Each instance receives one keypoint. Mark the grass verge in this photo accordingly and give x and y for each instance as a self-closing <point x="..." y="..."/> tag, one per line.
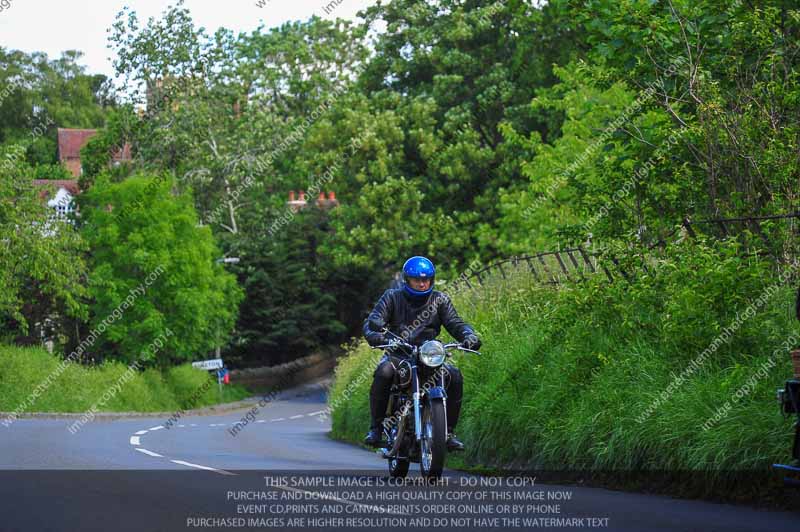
<point x="79" y="388"/>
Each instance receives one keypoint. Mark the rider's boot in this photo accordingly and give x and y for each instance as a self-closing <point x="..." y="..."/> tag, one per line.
<point x="453" y="443"/>
<point x="374" y="437"/>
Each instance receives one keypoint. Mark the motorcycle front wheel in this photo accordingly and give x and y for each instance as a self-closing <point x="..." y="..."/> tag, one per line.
<point x="433" y="445"/>
<point x="398" y="468"/>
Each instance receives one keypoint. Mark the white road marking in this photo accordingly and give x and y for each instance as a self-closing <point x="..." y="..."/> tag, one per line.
<point x="149" y="453"/>
<point x="189" y="464"/>
<point x="136" y="441"/>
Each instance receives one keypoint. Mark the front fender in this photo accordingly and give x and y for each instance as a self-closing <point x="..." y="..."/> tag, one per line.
<point x="437" y="392"/>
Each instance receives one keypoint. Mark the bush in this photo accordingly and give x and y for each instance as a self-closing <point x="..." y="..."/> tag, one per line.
<point x="154" y="273"/>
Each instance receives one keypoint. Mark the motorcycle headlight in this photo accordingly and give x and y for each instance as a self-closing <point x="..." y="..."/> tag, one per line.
<point x="432" y="353"/>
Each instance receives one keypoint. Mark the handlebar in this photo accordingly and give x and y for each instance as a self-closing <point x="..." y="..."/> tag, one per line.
<point x="397" y="341"/>
<point x="402" y="343"/>
<point x="461" y="348"/>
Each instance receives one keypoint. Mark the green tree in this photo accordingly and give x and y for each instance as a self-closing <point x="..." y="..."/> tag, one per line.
<point x="457" y="73"/>
<point x="42" y="270"/>
<point x="736" y="90"/>
<point x="139" y="231"/>
<point x="229" y="113"/>
<point x="291" y="304"/>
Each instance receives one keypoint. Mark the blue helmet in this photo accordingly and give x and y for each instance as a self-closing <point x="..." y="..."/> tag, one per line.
<point x="418" y="268"/>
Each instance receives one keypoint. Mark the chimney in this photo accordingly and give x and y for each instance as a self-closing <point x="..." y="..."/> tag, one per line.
<point x="332" y="201"/>
<point x="321" y="199"/>
<point x="296" y="203"/>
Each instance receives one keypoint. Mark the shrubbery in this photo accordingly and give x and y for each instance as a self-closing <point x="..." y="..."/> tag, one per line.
<point x="568" y="374"/>
<point x="79" y="388"/>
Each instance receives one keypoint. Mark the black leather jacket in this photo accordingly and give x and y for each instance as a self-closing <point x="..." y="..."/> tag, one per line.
<point x="416" y="321"/>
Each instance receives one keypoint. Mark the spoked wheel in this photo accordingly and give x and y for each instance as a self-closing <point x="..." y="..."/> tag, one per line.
<point x="434" y="440"/>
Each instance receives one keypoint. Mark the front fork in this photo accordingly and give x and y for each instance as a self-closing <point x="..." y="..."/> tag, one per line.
<point x="433" y="392"/>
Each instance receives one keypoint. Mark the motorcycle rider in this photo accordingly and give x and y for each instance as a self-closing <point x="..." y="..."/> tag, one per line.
<point x="415" y="312"/>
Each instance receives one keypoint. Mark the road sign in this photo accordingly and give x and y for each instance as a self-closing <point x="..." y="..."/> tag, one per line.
<point x="208" y="364"/>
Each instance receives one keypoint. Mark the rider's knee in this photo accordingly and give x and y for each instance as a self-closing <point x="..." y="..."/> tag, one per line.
<point x="453" y="376"/>
<point x="455" y="373"/>
<point x="384" y="372"/>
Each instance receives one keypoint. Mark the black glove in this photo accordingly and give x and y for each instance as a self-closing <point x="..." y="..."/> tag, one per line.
<point x="378" y="339"/>
<point x="472" y="342"/>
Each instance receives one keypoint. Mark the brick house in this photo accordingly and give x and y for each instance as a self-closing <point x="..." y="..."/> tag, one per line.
<point x="70" y="142"/>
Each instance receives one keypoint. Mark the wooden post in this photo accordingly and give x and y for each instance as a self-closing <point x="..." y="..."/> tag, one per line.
<point x="586" y="259"/>
<point x="563" y="266"/>
<point x="575" y="263"/>
<point x="532" y="269"/>
<point x="553" y="279"/>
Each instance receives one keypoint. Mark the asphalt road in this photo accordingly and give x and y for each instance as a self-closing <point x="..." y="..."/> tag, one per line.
<point x="282" y="472"/>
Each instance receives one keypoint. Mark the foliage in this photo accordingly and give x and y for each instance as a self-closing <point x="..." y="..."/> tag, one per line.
<point x="140" y="231"/>
<point x="50" y="171"/>
<point x="461" y="130"/>
<point x="34" y="87"/>
<point x="290" y="306"/>
<point x="41" y="263"/>
<point x="715" y="137"/>
<point x="96" y="155"/>
<point x="424" y="151"/>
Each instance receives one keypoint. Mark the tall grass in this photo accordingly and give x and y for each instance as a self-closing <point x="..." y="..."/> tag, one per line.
<point x="567" y="372"/>
<point x="79" y="388"/>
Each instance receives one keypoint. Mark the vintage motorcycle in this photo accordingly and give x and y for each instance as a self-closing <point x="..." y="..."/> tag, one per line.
<point x="415" y="427"/>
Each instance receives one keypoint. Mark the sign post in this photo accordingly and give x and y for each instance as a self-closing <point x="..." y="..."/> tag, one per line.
<point x="209" y="365"/>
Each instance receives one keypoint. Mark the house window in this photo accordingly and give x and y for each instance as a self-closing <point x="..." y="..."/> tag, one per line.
<point x="63" y="210"/>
